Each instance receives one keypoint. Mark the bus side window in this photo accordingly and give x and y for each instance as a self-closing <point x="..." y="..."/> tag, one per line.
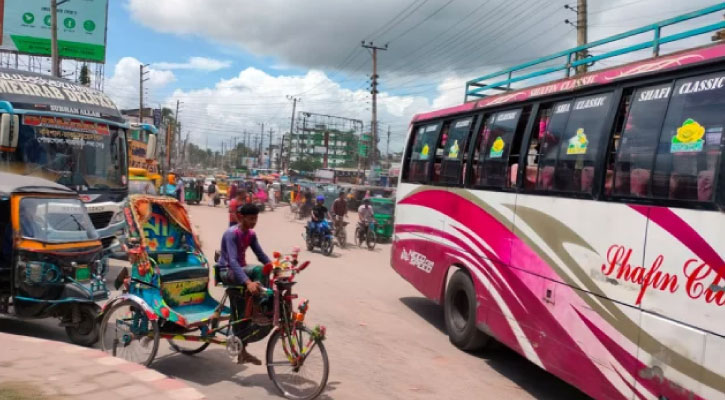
<point x="688" y="156"/>
<point x="616" y="139"/>
<point x="438" y="158"/>
<point x="495" y="141"/>
<point x="579" y="144"/>
<point x="420" y="152"/>
<point x="544" y="146"/>
<point x="636" y="138"/>
<point x="454" y="150"/>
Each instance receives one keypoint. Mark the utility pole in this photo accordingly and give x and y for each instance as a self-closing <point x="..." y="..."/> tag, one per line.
<point x="269" y="152"/>
<point x="291" y="128"/>
<point x="141" y="79"/>
<point x="374" y="91"/>
<point x="261" y="141"/>
<point x="387" y="147"/>
<point x="176" y="127"/>
<point x="581" y="32"/>
<point x="54" y="54"/>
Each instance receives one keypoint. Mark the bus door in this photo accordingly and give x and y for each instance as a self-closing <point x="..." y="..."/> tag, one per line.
<point x="418" y="221"/>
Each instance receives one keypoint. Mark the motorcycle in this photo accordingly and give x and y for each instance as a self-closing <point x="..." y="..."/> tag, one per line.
<point x="322" y="239"/>
<point x="340" y="231"/>
<point x="365" y="234"/>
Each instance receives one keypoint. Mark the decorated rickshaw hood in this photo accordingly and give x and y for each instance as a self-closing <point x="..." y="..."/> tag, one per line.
<point x="139" y="211"/>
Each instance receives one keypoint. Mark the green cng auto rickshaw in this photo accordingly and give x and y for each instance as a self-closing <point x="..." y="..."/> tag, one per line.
<point x="51" y="261"/>
<point x="384" y="214"/>
<point x="193" y="190"/>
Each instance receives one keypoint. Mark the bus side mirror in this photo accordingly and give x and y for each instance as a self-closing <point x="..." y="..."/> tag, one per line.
<point x="151" y="148"/>
<point x="9" y="132"/>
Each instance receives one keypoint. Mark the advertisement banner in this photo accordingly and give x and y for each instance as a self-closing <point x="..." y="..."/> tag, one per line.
<point x="81" y="28"/>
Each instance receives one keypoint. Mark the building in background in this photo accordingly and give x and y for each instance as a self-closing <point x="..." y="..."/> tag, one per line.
<point x="323" y="141"/>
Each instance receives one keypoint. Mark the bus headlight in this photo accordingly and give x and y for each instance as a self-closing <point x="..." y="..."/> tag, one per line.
<point x="117" y="217"/>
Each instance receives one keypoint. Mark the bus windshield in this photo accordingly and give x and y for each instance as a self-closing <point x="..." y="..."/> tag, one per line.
<point x="79" y="154"/>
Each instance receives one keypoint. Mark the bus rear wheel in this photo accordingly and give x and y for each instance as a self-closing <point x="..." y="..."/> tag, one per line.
<point x="459" y="310"/>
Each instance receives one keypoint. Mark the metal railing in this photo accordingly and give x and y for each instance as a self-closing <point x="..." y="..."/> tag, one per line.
<point x="476" y="87"/>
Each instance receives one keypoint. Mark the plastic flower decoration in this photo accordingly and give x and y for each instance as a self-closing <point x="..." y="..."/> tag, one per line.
<point x="498" y="144"/>
<point x="689" y="132"/>
<point x="581" y="136"/>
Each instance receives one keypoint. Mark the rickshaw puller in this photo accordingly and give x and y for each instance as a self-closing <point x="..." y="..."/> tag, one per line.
<point x="235" y="242"/>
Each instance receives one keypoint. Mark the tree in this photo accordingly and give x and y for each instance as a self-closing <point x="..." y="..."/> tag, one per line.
<point x="308" y="164"/>
<point x="85" y="77"/>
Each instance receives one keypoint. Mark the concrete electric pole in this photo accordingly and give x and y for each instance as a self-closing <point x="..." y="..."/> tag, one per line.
<point x="291" y="129"/>
<point x="54" y="55"/>
<point x="141" y="79"/>
<point x="269" y="152"/>
<point x="581" y="31"/>
<point x="374" y="91"/>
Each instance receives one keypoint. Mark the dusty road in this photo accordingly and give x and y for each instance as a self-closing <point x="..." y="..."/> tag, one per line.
<point x="385" y="341"/>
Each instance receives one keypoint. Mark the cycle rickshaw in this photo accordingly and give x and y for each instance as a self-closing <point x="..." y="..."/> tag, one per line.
<point x="166" y="296"/>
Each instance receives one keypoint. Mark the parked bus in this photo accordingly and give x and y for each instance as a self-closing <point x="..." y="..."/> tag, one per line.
<point x="142" y="145"/>
<point x="580" y="223"/>
<point x="69" y="134"/>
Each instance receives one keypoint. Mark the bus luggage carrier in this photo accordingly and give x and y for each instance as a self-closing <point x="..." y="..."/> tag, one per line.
<point x="475" y="88"/>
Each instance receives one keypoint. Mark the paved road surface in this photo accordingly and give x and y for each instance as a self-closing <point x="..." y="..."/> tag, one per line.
<point x="385" y="341"/>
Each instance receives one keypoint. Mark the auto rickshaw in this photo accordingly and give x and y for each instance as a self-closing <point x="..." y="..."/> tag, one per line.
<point x="384" y="214"/>
<point x="193" y="190"/>
<point x="222" y="187"/>
<point x="51" y="259"/>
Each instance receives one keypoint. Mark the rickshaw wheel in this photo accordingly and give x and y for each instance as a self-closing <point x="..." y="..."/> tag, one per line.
<point x="86" y="333"/>
<point x="303" y="381"/>
<point x="127" y="333"/>
<point x="190" y="350"/>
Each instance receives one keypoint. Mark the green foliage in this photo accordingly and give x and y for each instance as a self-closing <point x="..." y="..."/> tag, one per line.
<point x="85" y="77"/>
<point x="307" y="163"/>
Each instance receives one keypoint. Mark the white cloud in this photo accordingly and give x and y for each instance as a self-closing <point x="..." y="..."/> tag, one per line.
<point x="196" y="63"/>
<point x="123" y="85"/>
<point x="242" y="103"/>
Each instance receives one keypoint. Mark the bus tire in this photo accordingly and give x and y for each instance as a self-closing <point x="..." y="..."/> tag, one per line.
<point x="459" y="309"/>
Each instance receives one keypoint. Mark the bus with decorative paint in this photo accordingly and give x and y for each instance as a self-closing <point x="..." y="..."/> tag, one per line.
<point x="142" y="146"/>
<point x="580" y="223"/>
<point x="70" y="134"/>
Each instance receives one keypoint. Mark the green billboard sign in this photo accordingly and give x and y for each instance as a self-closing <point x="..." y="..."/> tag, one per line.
<point x="81" y="28"/>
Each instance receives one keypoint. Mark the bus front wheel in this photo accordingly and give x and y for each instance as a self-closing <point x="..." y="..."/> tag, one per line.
<point x="460" y="313"/>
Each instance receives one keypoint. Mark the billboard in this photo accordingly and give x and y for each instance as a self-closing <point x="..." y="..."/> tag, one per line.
<point x="81" y="28"/>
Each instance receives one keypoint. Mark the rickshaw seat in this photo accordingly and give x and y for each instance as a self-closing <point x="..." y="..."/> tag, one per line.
<point x="183" y="266"/>
<point x="182" y="271"/>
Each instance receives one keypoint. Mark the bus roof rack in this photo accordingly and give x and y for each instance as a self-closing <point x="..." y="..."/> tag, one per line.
<point x="476" y="88"/>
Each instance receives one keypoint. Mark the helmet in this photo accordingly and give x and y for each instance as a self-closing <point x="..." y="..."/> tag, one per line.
<point x="320" y="198"/>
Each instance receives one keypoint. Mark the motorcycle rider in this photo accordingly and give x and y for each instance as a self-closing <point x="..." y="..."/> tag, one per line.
<point x="339" y="209"/>
<point x="319" y="213"/>
<point x="235" y="242"/>
<point x="365" y="215"/>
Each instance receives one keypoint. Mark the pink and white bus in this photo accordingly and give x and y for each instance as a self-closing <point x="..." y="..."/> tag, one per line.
<point x="580" y="222"/>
